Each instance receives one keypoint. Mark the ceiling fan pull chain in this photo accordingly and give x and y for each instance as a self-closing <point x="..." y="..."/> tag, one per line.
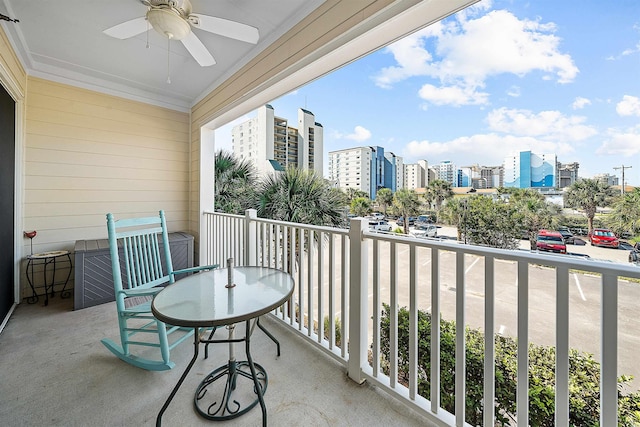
<point x="168" y="56"/>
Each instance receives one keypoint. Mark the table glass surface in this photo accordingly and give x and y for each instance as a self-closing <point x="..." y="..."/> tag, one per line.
<point x="203" y="299"/>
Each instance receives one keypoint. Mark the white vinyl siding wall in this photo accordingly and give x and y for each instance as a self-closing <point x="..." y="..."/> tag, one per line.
<point x="87" y="154"/>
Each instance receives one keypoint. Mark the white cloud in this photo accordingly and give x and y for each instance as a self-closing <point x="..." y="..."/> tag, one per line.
<point x="551" y="125"/>
<point x="621" y="143"/>
<point x="629" y="106"/>
<point x="489" y="149"/>
<point x="514" y="91"/>
<point x="452" y="95"/>
<point x="580" y="103"/>
<point x="359" y="134"/>
<point x="466" y="51"/>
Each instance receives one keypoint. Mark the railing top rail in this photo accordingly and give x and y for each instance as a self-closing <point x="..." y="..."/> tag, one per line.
<point x="552" y="260"/>
<point x="333" y="230"/>
<point x="223" y="214"/>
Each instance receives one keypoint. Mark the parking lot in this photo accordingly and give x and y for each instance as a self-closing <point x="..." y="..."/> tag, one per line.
<point x="584" y="308"/>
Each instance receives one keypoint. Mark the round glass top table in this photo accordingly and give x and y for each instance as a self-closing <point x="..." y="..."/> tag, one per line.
<point x="206" y="300"/>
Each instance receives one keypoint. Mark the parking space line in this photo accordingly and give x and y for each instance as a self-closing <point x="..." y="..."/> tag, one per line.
<point x="471" y="266"/>
<point x="575" y="277"/>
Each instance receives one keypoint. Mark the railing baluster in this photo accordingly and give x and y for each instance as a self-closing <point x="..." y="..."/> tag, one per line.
<point x="489" y="343"/>
<point x="460" y="341"/>
<point x="331" y="290"/>
<point x="413" y="324"/>
<point x="435" y="330"/>
<point x="310" y="257"/>
<point x="522" y="395"/>
<point x="301" y="281"/>
<point x="344" y="297"/>
<point x="320" y="286"/>
<point x="562" y="347"/>
<point x="609" y="351"/>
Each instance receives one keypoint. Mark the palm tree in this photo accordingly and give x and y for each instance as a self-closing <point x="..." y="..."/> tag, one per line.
<point x="302" y="196"/>
<point x="439" y="190"/>
<point x="360" y="206"/>
<point x="352" y="193"/>
<point x="384" y="197"/>
<point x="453" y="213"/>
<point x="234" y="184"/>
<point x="406" y="204"/>
<point x="534" y="213"/>
<point x="625" y="217"/>
<point x="588" y="194"/>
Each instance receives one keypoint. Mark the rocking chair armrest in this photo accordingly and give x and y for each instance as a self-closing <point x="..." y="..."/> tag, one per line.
<point x="141" y="292"/>
<point x="195" y="269"/>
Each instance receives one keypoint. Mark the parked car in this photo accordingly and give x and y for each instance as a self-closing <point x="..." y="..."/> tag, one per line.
<point x="377" y="215"/>
<point x="426" y="231"/>
<point x="423" y="222"/>
<point x="376" y="225"/>
<point x="604" y="237"/>
<point x="410" y="221"/>
<point x="550" y="241"/>
<point x="567" y="235"/>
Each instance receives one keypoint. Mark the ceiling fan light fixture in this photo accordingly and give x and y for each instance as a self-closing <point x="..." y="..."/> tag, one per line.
<point x="168" y="23"/>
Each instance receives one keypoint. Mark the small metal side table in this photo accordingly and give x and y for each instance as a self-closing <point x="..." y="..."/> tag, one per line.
<point x="46" y="260"/>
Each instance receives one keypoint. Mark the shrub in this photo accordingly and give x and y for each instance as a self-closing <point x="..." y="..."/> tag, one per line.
<point x="584" y="375"/>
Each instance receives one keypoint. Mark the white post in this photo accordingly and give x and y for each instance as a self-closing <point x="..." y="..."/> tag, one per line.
<point x="206" y="193"/>
<point x="251" y="237"/>
<point x="358" y="263"/>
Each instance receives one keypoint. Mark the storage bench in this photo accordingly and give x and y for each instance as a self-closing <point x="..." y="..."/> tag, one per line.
<point x="93" y="275"/>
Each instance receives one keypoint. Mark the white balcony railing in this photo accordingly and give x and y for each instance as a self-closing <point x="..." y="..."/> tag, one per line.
<point x="344" y="276"/>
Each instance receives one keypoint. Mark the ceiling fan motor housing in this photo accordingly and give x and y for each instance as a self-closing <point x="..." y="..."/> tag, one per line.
<point x="169" y="17"/>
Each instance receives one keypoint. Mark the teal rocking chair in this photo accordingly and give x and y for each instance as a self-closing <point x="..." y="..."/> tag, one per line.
<point x="139" y="248"/>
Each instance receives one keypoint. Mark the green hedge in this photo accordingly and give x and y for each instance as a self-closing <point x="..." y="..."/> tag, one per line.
<point x="584" y="376"/>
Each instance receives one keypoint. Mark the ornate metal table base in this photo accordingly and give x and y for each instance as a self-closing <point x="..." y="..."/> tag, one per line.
<point x="239" y="394"/>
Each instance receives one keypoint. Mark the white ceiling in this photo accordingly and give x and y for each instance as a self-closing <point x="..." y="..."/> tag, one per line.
<point x="62" y="40"/>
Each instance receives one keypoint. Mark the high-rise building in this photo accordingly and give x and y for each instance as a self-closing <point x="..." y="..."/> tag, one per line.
<point x="416" y="175"/>
<point x="366" y="169"/>
<point x="530" y="170"/>
<point x="271" y="144"/>
<point x="447" y="171"/>
<point x="351" y="168"/>
<point x="393" y="171"/>
<point x="567" y="174"/>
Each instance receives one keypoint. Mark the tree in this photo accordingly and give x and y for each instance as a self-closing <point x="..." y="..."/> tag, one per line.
<point x="384" y="197"/>
<point x="439" y="191"/>
<point x="533" y="212"/>
<point x="302" y="196"/>
<point x="453" y="214"/>
<point x="491" y="222"/>
<point x="352" y="193"/>
<point x="360" y="206"/>
<point x="235" y="184"/>
<point x="588" y="194"/>
<point x="406" y="204"/>
<point x="625" y="217"/>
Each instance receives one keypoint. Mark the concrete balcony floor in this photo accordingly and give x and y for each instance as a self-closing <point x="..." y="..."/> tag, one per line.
<point x="55" y="372"/>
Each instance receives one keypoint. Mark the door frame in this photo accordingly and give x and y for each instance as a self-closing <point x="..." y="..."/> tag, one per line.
<point x="13" y="89"/>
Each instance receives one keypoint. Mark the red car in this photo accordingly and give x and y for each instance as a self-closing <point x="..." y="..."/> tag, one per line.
<point x="604" y="237"/>
<point x="550" y="241"/>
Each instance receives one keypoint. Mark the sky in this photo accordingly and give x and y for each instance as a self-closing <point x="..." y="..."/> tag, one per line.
<point x="500" y="77"/>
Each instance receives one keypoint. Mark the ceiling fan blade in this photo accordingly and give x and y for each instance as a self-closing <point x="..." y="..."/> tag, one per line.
<point x="198" y="50"/>
<point x="225" y="27"/>
<point x="128" y="29"/>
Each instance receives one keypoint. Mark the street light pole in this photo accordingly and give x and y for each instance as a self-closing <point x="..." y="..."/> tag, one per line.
<point x="623" y="167"/>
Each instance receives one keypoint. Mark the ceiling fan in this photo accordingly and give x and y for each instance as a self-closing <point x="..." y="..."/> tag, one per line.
<point x="173" y="19"/>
